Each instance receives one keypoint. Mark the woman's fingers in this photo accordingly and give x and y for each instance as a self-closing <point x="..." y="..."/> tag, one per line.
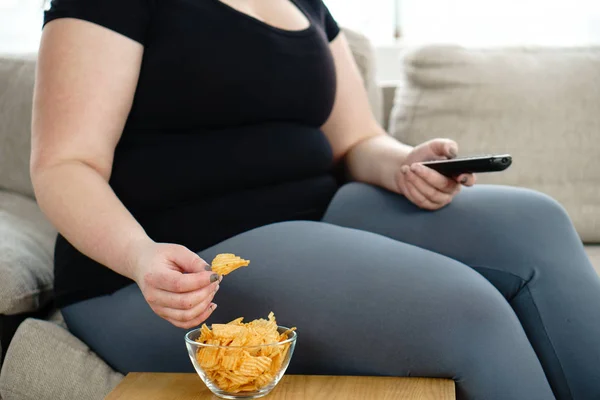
<point x="180" y="301"/>
<point x="467" y="179"/>
<point x="185" y="316"/>
<point x="197" y="321"/>
<point x="184" y="310"/>
<point x="436" y="149"/>
<point x="429" y="192"/>
<point x="443" y="148"/>
<point x="186" y="260"/>
<point x="415" y="196"/>
<point x="434" y="178"/>
<point x="176" y="282"/>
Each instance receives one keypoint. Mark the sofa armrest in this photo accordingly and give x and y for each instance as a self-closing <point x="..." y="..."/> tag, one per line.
<point x="26" y="254"/>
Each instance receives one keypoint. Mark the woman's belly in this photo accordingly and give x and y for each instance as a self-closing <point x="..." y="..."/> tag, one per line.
<point x="203" y="224"/>
<point x="198" y="188"/>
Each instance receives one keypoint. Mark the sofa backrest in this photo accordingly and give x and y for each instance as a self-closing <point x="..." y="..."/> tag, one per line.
<point x="16" y="89"/>
<point x="540" y="105"/>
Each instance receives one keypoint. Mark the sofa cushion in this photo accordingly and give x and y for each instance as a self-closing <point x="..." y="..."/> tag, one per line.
<point x="594" y="255"/>
<point x="16" y="91"/>
<point x="540" y="105"/>
<point x="26" y="252"/>
<point x="45" y="361"/>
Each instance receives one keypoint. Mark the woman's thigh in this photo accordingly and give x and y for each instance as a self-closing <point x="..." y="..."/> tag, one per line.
<point x="514" y="230"/>
<point x="363" y="304"/>
<point x="524" y="243"/>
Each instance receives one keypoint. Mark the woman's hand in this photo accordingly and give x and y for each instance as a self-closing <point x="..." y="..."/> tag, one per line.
<point x="425" y="187"/>
<point x="177" y="284"/>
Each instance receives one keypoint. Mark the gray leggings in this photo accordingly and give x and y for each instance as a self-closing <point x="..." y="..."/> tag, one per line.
<point x="494" y="291"/>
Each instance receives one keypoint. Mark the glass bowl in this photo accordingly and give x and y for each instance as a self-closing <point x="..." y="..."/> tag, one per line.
<point x="241" y="372"/>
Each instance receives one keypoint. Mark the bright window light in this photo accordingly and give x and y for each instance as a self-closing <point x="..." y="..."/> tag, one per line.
<point x="20" y="25"/>
<point x="464" y="22"/>
<point x="473" y="22"/>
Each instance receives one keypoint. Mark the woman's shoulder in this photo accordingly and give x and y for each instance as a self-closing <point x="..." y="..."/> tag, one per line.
<point x="315" y="7"/>
<point x="127" y="17"/>
<point x="321" y="13"/>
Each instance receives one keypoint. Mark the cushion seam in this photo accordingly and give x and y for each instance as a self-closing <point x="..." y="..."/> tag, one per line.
<point x="33" y="292"/>
<point x="15" y="301"/>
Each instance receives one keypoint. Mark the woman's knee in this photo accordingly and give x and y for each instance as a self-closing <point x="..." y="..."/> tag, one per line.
<point x="483" y="327"/>
<point x="479" y="311"/>
<point x="521" y="208"/>
<point x="542" y="207"/>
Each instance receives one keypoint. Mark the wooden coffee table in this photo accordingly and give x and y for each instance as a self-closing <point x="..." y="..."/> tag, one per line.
<point x="145" y="386"/>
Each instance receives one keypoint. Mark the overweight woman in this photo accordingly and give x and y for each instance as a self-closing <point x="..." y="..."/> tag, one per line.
<point x="167" y="131"/>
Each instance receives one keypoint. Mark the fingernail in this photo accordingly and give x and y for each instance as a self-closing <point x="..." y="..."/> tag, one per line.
<point x="208" y="267"/>
<point x="214" y="278"/>
<point x="213" y="306"/>
<point x="217" y="288"/>
<point x="221" y="278"/>
<point x="464" y="180"/>
<point x="453" y="152"/>
<point x="404" y="169"/>
<point x="414" y="167"/>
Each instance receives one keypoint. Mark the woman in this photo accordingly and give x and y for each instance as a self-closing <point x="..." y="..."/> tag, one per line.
<point x="166" y="128"/>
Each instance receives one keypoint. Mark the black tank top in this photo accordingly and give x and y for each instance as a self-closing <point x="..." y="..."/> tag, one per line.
<point x="224" y="132"/>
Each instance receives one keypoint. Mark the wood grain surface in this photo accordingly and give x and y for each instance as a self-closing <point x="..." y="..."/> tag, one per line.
<point x="146" y="386"/>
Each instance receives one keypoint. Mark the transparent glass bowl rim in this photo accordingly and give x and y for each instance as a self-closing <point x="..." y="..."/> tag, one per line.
<point x="293" y="337"/>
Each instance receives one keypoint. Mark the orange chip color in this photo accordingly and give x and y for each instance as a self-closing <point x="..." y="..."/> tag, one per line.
<point x="238" y="369"/>
<point x="224" y="264"/>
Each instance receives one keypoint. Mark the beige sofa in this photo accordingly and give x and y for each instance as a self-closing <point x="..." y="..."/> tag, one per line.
<point x="539" y="105"/>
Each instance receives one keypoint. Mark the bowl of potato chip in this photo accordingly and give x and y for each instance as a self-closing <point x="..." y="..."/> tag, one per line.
<point x="241" y="360"/>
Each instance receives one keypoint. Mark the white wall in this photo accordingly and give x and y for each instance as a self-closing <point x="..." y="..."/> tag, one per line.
<point x="464" y="22"/>
<point x="375" y="18"/>
<point x="502" y="22"/>
<point x="478" y="23"/>
<point x="20" y="25"/>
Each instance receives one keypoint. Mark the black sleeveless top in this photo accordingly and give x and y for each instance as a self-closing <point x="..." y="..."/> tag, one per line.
<point x="223" y="135"/>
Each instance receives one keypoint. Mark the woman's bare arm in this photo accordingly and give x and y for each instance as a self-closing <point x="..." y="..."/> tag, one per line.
<point x="372" y="156"/>
<point x="85" y="85"/>
<point x="353" y="131"/>
<point x="86" y="79"/>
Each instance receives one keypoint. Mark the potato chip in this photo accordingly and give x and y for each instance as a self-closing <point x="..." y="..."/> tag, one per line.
<point x="207" y="357"/>
<point x="264" y="379"/>
<point x="250" y="387"/>
<point x="205" y="333"/>
<point x="284" y="335"/>
<point x="231" y="362"/>
<point x="234" y="367"/>
<point x="253" y="366"/>
<point x="226" y="331"/>
<point x="224" y="264"/>
<point x="237" y="379"/>
<point x="276" y="361"/>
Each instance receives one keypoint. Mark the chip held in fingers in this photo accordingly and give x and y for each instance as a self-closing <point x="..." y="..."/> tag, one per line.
<point x="226" y="263"/>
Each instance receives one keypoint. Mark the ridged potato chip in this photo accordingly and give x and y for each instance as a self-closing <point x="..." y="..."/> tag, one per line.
<point x="243" y="369"/>
<point x="226" y="263"/>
